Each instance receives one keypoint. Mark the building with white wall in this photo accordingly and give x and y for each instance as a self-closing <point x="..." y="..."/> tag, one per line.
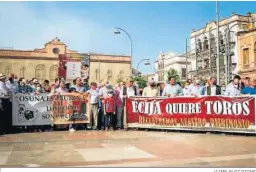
<point x="149" y="76"/>
<point x="167" y="61"/>
<point x="203" y="47"/>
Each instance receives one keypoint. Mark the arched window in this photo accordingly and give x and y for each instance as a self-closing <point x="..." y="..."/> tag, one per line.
<point x="40" y="72"/>
<point x="109" y="74"/>
<point x="245" y="57"/>
<point x="254" y="52"/>
<point x="206" y="45"/>
<point x="213" y="42"/>
<point x="53" y="72"/>
<point x="22" y="71"/>
<point x="199" y="45"/>
<point x="121" y="74"/>
<point x="7" y="70"/>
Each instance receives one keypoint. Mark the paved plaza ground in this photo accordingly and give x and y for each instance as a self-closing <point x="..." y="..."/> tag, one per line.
<point x="126" y="149"/>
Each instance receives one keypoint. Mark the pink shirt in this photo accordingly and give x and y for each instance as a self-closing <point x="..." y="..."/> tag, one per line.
<point x="119" y="102"/>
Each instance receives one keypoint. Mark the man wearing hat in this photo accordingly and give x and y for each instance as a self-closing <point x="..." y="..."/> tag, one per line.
<point x="3" y="104"/>
<point x="3" y="89"/>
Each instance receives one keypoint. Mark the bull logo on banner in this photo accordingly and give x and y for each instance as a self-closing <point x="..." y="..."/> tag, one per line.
<point x="25" y="114"/>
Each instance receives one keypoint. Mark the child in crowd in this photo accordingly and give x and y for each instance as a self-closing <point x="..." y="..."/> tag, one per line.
<point x="109" y="110"/>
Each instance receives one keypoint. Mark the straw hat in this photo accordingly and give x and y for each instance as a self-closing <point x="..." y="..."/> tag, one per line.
<point x="2" y="76"/>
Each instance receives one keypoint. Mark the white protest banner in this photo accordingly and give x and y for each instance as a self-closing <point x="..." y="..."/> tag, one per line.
<point x="31" y="110"/>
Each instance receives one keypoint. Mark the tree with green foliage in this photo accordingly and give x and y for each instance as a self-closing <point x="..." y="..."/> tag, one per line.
<point x="141" y="81"/>
<point x="173" y="73"/>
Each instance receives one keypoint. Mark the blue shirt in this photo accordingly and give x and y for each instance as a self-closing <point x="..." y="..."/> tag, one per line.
<point x="25" y="89"/>
<point x="172" y="90"/>
<point x="80" y="89"/>
<point x="197" y="90"/>
<point x="248" y="90"/>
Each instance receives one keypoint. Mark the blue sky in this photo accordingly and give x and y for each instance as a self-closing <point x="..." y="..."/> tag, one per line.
<point x="88" y="26"/>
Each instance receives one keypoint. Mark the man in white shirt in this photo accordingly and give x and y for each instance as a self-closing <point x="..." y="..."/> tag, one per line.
<point x="94" y="102"/>
<point x="128" y="90"/>
<point x="212" y="89"/>
<point x="11" y="84"/>
<point x="150" y="90"/>
<point x="103" y="92"/>
<point x="4" y="91"/>
<point x="233" y="89"/>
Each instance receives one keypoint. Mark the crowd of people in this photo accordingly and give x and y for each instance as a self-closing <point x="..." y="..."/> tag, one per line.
<point x="236" y="87"/>
<point x="107" y="101"/>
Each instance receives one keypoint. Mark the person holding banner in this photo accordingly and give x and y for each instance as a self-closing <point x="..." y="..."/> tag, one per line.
<point x="212" y="89"/>
<point x="249" y="89"/>
<point x="186" y="89"/>
<point x="129" y="90"/>
<point x="78" y="88"/>
<point x="234" y="89"/>
<point x="24" y="88"/>
<point x="197" y="89"/>
<point x="62" y="88"/>
<point x="150" y="90"/>
<point x="172" y="89"/>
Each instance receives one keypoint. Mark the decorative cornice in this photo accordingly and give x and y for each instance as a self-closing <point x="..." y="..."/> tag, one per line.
<point x="57" y="59"/>
<point x="29" y="58"/>
<point x="242" y="33"/>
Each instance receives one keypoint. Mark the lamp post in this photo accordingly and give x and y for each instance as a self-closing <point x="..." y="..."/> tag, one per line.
<point x="118" y="32"/>
<point x="147" y="63"/>
<point x="186" y="59"/>
<point x="218" y="45"/>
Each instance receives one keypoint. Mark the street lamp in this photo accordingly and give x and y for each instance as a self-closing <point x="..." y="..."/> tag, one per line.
<point x="218" y="45"/>
<point x="146" y="63"/>
<point x="117" y="32"/>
